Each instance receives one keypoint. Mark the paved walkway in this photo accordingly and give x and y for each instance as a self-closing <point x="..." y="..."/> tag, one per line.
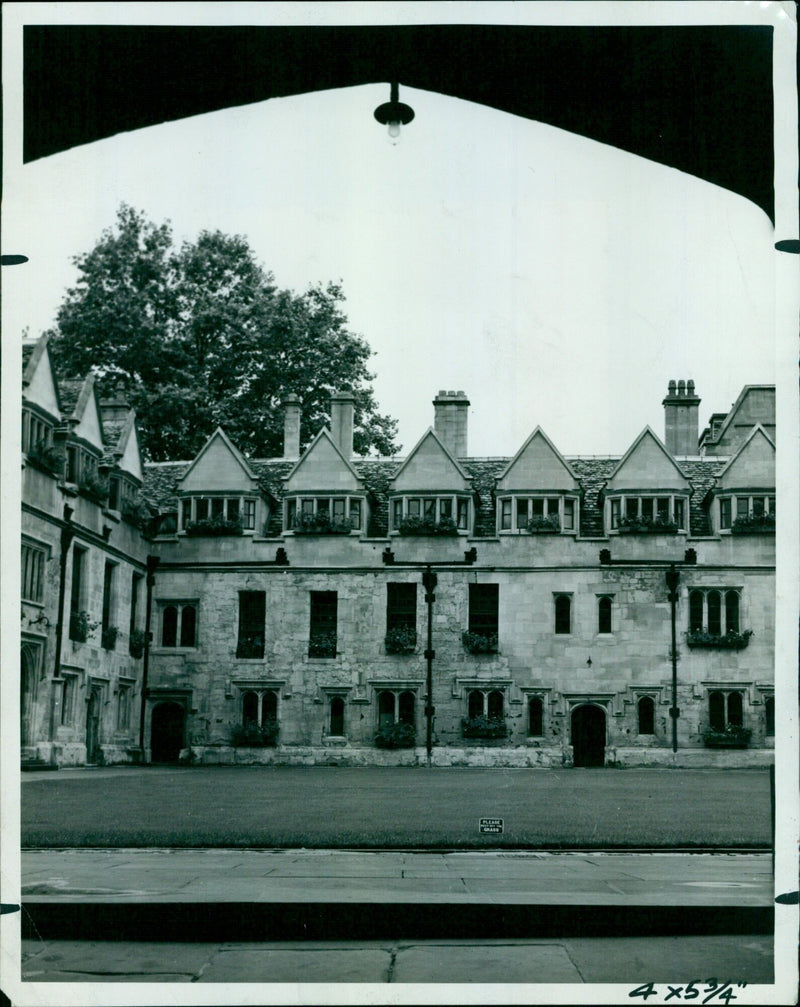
<point x="341" y="876"/>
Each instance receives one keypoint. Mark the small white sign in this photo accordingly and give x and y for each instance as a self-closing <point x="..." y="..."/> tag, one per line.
<point x="492" y="825"/>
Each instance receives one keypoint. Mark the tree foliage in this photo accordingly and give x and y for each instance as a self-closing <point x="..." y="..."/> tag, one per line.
<point x="201" y="336"/>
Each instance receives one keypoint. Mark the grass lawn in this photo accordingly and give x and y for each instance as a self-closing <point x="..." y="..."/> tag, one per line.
<point x="416" y="808"/>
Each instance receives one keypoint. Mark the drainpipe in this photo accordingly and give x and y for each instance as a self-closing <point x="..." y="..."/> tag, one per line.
<point x="429" y="581"/>
<point x="67" y="535"/>
<point x="152" y="563"/>
<point x="673" y="579"/>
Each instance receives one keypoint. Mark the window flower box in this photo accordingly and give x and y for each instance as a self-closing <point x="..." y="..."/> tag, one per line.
<point x="93" y="488"/>
<point x="400" y="640"/>
<point x="81" y="627"/>
<point x="136" y="643"/>
<point x="320" y="523"/>
<point x="646" y="526"/>
<point x="754" y="524"/>
<point x="218" y="525"/>
<point x="549" y="525"/>
<point x="46" y="457"/>
<point x="398" y="735"/>
<point x="479" y="643"/>
<point x="135" y="512"/>
<point x="484" y="727"/>
<point x="108" y="637"/>
<point x="413" y="525"/>
<point x="732" y="737"/>
<point x="713" y="641"/>
<point x="253" y="735"/>
<point x="322" y="645"/>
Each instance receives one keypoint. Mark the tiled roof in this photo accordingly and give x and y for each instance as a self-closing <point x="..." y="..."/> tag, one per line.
<point x="160" y="489"/>
<point x="70" y="389"/>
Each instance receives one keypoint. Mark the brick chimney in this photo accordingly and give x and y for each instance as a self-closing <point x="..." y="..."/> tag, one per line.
<point x="291" y="426"/>
<point x="342" y="421"/>
<point x="681" y="411"/>
<point x="450" y="411"/>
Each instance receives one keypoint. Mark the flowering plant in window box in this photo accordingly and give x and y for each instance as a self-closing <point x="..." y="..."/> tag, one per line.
<point x="218" y="525"/>
<point x="754" y="524"/>
<point x="484" y="727"/>
<point x="108" y="637"/>
<point x="413" y="525"/>
<point x="251" y="645"/>
<point x="252" y="735"/>
<point x="320" y="523"/>
<point x="46" y="457"/>
<point x="731" y="640"/>
<point x="398" y="735"/>
<point x="136" y="643"/>
<point x="479" y="643"/>
<point x="81" y="627"/>
<point x="322" y="644"/>
<point x="135" y="511"/>
<point x="400" y="640"/>
<point x="734" y="736"/>
<point x="540" y="525"/>
<point x="93" y="487"/>
<point x="646" y="526"/>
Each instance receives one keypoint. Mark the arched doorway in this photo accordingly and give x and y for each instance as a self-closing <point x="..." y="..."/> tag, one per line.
<point x="93" y="707"/>
<point x="166" y="732"/>
<point x="27" y="684"/>
<point x="588" y="727"/>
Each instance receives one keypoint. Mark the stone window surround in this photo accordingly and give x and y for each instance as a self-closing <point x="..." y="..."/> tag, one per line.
<point x="654" y="701"/>
<point x="455" y="500"/>
<point x="32" y="579"/>
<point x="35" y="429"/>
<point x="723" y="592"/>
<point x="121" y="487"/>
<point x="244" y="513"/>
<point x="726" y="690"/>
<point x="510" y="501"/>
<point x="81" y="461"/>
<point x="767" y="695"/>
<point x="617" y="503"/>
<point x="485" y="691"/>
<point x="298" y="501"/>
<point x="483" y="609"/>
<point x="259" y="691"/>
<point x="397" y="691"/>
<point x="601" y="596"/>
<point x="180" y="603"/>
<point x="732" y="500"/>
<point x="569" y="595"/>
<point x="126" y="687"/>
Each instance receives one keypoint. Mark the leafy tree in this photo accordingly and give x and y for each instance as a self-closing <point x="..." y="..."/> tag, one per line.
<point x="201" y="336"/>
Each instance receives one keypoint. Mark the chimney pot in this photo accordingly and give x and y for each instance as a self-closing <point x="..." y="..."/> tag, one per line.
<point x="681" y="419"/>
<point x="671" y="388"/>
<point x="450" y="414"/>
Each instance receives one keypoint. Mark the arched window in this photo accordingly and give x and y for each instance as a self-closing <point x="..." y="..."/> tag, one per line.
<point x="188" y="624"/>
<point x="536" y="716"/>
<point x="405" y="708"/>
<point x="604" y="615"/>
<point x="495" y="704"/>
<point x="563" y="606"/>
<point x="385" y="709"/>
<point x="337" y="715"/>
<point x="732" y="612"/>
<point x="695" y="611"/>
<point x="475" y="704"/>
<point x="269" y="706"/>
<point x="169" y="626"/>
<point x="714" y="603"/>
<point x="735" y="712"/>
<point x="716" y="711"/>
<point x="647" y="715"/>
<point x="769" y="714"/>
<point x="250" y="708"/>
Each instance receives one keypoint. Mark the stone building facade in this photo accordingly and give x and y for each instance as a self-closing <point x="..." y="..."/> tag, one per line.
<point x="285" y="604"/>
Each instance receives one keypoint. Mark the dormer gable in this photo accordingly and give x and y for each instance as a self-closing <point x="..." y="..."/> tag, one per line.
<point x="126" y="450"/>
<point x="647" y="466"/>
<point x="323" y="468"/>
<point x="84" y="420"/>
<point x="39" y="387"/>
<point x="429" y="467"/>
<point x="218" y="467"/>
<point x="754" y="406"/>
<point x="752" y="467"/>
<point x="537" y="466"/>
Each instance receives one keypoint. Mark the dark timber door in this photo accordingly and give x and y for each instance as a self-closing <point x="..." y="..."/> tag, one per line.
<point x="25" y="698"/>
<point x="588" y="736"/>
<point x="166" y="732"/>
<point x="93" y="725"/>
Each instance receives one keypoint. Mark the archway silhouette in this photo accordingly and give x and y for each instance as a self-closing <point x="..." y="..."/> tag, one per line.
<point x="166" y="732"/>
<point x="588" y="731"/>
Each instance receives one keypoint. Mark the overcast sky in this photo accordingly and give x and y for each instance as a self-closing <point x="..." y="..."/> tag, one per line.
<point x="556" y="280"/>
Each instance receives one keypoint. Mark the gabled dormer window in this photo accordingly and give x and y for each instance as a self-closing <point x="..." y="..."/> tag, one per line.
<point x="651" y="512"/>
<point x="527" y="513"/>
<point x="431" y="510"/>
<point x="237" y="509"/>
<point x="324" y="514"/>
<point x="741" y="510"/>
<point x="36" y="432"/>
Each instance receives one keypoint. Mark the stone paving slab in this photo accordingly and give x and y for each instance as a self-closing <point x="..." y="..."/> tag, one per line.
<point x="583" y="960"/>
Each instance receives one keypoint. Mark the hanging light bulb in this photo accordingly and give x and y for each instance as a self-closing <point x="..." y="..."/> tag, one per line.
<point x="394" y="114"/>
